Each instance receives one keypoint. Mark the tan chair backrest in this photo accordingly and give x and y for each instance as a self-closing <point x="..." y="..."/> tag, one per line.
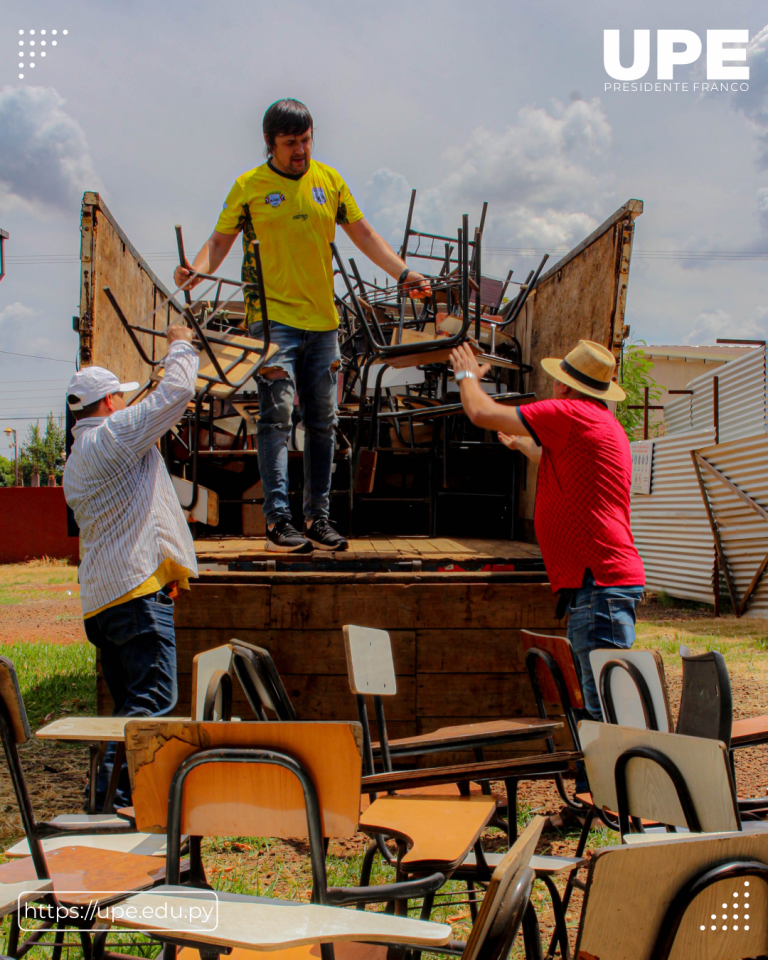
<point x="630" y="888"/>
<point x="204" y="666"/>
<point x="239" y="351"/>
<point x="10" y="694"/>
<point x="502" y="879"/>
<point x="626" y="701"/>
<point x="703" y="764"/>
<point x="559" y="648"/>
<point x="370" y="665"/>
<point x="245" y="799"/>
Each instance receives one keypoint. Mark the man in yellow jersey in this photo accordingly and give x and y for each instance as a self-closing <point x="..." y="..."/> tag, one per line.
<point x="291" y="204"/>
<point x="135" y="539"/>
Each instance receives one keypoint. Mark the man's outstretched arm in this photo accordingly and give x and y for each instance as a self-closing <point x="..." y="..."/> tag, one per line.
<point x="376" y="248"/>
<point x="138" y="428"/>
<point x="478" y="406"/>
<point x="210" y="258"/>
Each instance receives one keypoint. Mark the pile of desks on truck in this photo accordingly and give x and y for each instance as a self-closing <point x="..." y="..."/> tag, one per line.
<point x="679" y="866"/>
<point x="403" y="443"/>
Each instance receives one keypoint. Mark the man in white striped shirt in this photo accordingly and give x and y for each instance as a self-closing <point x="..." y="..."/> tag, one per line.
<point x="135" y="539"/>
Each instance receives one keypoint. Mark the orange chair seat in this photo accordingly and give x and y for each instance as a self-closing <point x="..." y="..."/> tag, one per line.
<point x="81" y="874"/>
<point x="586" y="798"/>
<point x="343" y="951"/>
<point x="439" y="831"/>
<point x="436" y="790"/>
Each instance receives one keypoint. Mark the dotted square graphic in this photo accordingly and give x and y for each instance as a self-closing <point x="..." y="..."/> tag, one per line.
<point x="739" y="913"/>
<point x="35" y="43"/>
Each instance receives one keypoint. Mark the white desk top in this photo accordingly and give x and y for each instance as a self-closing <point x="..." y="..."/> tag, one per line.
<point x="13" y="895"/>
<point x="263" y="924"/>
<point x="91" y="729"/>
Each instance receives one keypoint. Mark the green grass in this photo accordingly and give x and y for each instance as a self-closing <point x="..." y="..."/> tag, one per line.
<point x="55" y="678"/>
<point x="14" y="595"/>
<point x="37" y="573"/>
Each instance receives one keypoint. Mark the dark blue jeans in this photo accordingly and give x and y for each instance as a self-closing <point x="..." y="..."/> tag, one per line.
<point x="137" y="644"/>
<point x="599" y="618"/>
<point x="310" y="358"/>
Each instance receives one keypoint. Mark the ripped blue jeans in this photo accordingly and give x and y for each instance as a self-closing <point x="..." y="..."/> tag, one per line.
<point x="311" y="360"/>
<point x="599" y="617"/>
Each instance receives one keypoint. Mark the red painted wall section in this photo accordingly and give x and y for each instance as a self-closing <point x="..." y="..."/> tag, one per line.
<point x="33" y="524"/>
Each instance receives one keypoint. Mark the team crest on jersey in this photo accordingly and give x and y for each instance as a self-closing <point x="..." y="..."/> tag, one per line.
<point x="319" y="194"/>
<point x="274" y="199"/>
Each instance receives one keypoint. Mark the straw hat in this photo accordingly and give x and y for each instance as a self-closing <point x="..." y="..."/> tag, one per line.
<point x="588" y="368"/>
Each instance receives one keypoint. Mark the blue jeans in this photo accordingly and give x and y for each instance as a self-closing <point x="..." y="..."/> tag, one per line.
<point x="137" y="644"/>
<point x="599" y="618"/>
<point x="310" y="358"/>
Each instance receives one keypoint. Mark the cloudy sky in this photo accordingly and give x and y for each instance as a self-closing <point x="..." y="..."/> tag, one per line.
<point x="158" y="106"/>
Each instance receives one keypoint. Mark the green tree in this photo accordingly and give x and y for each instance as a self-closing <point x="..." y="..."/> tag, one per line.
<point x="42" y="452"/>
<point x="7" y="474"/>
<point x="634" y="377"/>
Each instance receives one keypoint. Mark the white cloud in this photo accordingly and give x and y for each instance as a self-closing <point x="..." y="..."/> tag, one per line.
<point x="16" y="312"/>
<point x="44" y="158"/>
<point x="20" y="332"/>
<point x="387" y="198"/>
<point x="546" y="177"/>
<point x="711" y="324"/>
<point x="762" y="207"/>
<point x="548" y="158"/>
<point x="753" y="103"/>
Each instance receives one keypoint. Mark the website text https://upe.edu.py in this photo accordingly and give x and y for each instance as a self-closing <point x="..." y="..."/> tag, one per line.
<point x="199" y="916"/>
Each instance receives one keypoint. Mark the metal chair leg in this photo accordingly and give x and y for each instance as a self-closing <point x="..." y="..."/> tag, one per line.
<point x="426" y="912"/>
<point x="365" y="871"/>
<point x="472" y="897"/>
<point x="531" y="935"/>
<point x="58" y="942"/>
<point x="560" y="933"/>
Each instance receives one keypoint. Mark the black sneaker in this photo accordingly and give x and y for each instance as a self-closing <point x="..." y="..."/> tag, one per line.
<point x="323" y="537"/>
<point x="285" y="538"/>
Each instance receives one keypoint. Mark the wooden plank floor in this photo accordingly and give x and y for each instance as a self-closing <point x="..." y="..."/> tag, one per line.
<point x="229" y="549"/>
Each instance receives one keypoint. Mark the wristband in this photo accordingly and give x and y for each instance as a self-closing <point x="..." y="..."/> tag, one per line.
<point x="403" y="276"/>
<point x="464" y="375"/>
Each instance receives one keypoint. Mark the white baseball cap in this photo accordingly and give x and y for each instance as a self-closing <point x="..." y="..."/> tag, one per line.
<point x="94" y="383"/>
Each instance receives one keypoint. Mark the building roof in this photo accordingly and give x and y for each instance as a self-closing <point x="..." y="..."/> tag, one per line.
<point x="722" y="352"/>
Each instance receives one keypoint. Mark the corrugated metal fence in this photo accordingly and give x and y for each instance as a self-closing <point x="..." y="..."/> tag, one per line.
<point x="671" y="526"/>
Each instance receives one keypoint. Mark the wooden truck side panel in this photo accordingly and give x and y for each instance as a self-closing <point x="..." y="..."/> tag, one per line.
<point x="108" y="258"/>
<point x="582" y="297"/>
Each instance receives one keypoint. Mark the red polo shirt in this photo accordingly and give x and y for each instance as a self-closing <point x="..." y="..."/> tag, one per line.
<point x="582" y="494"/>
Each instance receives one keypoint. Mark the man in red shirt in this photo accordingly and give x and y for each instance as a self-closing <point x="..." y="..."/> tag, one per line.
<point x="582" y="494"/>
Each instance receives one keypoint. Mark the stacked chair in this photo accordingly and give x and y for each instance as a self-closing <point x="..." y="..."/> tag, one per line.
<point x="386" y="331"/>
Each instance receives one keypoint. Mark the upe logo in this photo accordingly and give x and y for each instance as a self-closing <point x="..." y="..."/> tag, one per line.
<point x="675" y="48"/>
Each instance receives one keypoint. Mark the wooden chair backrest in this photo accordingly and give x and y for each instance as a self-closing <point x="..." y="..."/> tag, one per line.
<point x="204" y="666"/>
<point x="237" y="348"/>
<point x="703" y="765"/>
<point x="245" y="799"/>
<point x="10" y="694"/>
<point x="503" y="877"/>
<point x="630" y="888"/>
<point x="626" y="701"/>
<point x="370" y="665"/>
<point x="559" y="648"/>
